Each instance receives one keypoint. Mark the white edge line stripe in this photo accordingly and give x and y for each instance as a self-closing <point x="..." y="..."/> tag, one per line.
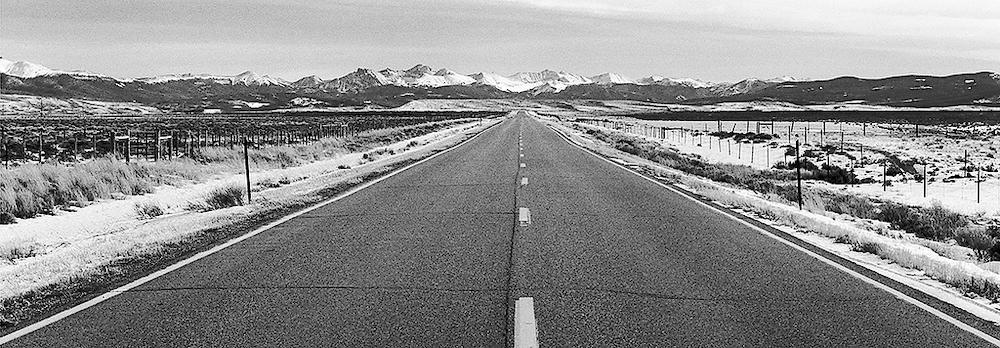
<point x="112" y="293"/>
<point x="525" y="327"/>
<point x="886" y="288"/>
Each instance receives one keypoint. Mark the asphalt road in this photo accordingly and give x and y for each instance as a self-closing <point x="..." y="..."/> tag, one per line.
<point x="434" y="257"/>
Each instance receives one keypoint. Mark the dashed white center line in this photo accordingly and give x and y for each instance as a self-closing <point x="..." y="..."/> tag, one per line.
<point x="524" y="216"/>
<point x="523" y="165"/>
<point x="524" y="181"/>
<point x="525" y="328"/>
<point x="522" y="155"/>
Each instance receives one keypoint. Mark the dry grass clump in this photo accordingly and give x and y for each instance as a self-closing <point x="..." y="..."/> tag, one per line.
<point x="148" y="210"/>
<point x="38" y="189"/>
<point x="6" y="218"/>
<point x="225" y="197"/>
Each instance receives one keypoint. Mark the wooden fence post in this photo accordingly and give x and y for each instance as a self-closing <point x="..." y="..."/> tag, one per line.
<point x="6" y="156"/>
<point x="246" y="167"/>
<point x="41" y="149"/>
<point x="128" y="145"/>
<point x="798" y="172"/>
<point x="170" y="151"/>
<point x="925" y="178"/>
<point x="885" y="183"/>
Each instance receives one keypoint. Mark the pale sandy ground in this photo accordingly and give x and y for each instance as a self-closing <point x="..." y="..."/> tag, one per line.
<point x="75" y="243"/>
<point x="926" y="275"/>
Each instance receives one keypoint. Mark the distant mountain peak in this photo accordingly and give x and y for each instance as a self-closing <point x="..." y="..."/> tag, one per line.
<point x="23" y="69"/>
<point x="250" y="78"/>
<point x="610" y="78"/>
<point x="419" y="70"/>
<point x="670" y="81"/>
<point x="445" y="72"/>
<point x="311" y="81"/>
<point x="548" y="75"/>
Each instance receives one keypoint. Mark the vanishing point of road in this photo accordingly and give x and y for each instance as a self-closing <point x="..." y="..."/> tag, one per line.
<point x="438" y="255"/>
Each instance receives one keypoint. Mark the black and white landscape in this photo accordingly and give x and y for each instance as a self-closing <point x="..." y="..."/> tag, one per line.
<point x="585" y="173"/>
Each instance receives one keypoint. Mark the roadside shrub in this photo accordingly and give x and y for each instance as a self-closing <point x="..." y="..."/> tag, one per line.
<point x="983" y="287"/>
<point x="148" y="210"/>
<point x="866" y="247"/>
<point x="225" y="197"/>
<point x="978" y="240"/>
<point x="792" y="165"/>
<point x="6" y="218"/>
<point x="834" y="175"/>
<point x="852" y="205"/>
<point x="892" y="170"/>
<point x="993" y="231"/>
<point x="936" y="222"/>
<point x="995" y="251"/>
<point x="343" y="166"/>
<point x="752" y="137"/>
<point x="268" y="183"/>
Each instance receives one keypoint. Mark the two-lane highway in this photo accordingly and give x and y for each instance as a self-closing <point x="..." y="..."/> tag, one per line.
<point x="436" y="256"/>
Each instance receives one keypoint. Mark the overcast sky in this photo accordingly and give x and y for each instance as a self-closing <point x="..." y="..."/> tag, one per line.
<point x="712" y="40"/>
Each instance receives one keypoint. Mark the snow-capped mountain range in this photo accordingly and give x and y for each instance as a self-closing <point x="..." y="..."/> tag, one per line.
<point x="248" y="78"/>
<point x="418" y="76"/>
<point x="392" y="87"/>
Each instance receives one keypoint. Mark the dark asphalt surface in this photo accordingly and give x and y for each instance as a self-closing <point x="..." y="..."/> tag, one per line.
<point x="424" y="259"/>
